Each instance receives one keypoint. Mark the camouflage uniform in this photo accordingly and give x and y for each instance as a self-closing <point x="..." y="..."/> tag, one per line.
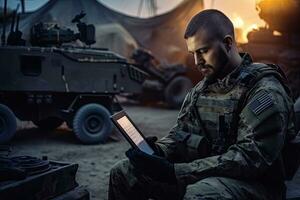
<point x="244" y="161"/>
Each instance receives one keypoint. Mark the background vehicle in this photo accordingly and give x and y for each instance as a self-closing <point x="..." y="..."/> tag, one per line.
<point x="49" y="84"/>
<point x="279" y="41"/>
<point x="168" y="83"/>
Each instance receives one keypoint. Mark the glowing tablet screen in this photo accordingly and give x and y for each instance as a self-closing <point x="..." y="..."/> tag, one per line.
<point x="134" y="135"/>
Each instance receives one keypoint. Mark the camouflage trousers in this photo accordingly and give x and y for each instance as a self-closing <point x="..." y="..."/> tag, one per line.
<point x="126" y="183"/>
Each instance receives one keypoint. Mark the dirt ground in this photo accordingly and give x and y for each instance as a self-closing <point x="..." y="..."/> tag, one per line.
<point x="95" y="161"/>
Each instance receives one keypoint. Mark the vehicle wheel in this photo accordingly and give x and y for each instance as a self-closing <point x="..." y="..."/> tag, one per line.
<point x="50" y="123"/>
<point x="176" y="91"/>
<point x="8" y="124"/>
<point x="92" y="124"/>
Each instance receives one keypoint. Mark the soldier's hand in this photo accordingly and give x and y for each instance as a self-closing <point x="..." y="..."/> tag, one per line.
<point x="151" y="141"/>
<point x="158" y="168"/>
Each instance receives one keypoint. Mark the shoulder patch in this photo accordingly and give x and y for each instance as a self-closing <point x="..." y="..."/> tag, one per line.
<point x="261" y="103"/>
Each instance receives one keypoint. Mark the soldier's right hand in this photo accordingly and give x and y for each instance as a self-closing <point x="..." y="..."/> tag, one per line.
<point x="157" y="150"/>
<point x="156" y="167"/>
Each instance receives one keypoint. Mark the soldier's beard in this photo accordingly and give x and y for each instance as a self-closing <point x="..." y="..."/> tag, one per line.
<point x="205" y="70"/>
<point x="220" y="69"/>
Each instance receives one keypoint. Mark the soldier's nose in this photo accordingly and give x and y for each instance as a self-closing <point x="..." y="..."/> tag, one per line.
<point x="199" y="59"/>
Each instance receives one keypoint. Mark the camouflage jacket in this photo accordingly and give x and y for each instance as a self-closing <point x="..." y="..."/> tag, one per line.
<point x="216" y="135"/>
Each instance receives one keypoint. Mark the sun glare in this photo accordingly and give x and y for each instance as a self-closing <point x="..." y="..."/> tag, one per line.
<point x="242" y="28"/>
<point x="237" y="21"/>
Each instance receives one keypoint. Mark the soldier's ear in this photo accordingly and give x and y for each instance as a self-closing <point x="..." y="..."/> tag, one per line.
<point x="228" y="42"/>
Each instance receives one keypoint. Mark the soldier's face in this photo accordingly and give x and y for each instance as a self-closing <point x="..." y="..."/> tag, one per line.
<point x="209" y="53"/>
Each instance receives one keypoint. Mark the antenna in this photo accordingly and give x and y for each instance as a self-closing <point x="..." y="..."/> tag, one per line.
<point x="17" y="23"/>
<point x="23" y="6"/>
<point x="14" y="19"/>
<point x="13" y="22"/>
<point x="11" y="38"/>
<point x="4" y="23"/>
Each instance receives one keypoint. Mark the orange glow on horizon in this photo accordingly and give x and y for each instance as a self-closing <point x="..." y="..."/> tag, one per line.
<point x="243" y="15"/>
<point x="242" y="28"/>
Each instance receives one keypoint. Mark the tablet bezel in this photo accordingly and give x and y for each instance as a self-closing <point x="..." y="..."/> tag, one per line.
<point x="121" y="114"/>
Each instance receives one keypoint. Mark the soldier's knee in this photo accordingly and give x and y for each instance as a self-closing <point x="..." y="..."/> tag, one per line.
<point x="193" y="192"/>
<point x="119" y="168"/>
<point x="209" y="188"/>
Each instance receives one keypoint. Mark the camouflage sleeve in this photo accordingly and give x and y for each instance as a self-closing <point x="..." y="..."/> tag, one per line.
<point x="168" y="144"/>
<point x="261" y="133"/>
<point x="184" y="141"/>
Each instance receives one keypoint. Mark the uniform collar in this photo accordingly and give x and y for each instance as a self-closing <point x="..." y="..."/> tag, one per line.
<point x="229" y="81"/>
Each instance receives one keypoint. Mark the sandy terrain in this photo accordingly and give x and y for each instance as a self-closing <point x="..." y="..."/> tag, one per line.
<point x="94" y="161"/>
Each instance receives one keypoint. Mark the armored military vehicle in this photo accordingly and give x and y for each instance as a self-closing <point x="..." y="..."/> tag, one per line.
<point x="167" y="83"/>
<point x="49" y="82"/>
<point x="279" y="41"/>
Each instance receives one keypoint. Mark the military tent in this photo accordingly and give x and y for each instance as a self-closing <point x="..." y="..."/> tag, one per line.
<point x="162" y="34"/>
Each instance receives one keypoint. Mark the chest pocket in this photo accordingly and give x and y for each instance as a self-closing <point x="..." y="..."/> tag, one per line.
<point x="216" y="114"/>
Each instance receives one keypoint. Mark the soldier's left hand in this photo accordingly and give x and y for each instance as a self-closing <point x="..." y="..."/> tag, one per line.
<point x="156" y="167"/>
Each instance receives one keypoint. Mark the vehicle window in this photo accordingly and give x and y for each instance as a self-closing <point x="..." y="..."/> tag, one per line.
<point x="31" y="65"/>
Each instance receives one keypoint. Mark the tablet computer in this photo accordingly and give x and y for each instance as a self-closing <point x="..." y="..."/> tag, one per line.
<point x="132" y="134"/>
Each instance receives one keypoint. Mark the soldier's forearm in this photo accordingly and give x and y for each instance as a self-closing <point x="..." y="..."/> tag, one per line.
<point x="247" y="160"/>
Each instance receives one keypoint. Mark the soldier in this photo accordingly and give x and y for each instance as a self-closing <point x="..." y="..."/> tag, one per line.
<point x="230" y="131"/>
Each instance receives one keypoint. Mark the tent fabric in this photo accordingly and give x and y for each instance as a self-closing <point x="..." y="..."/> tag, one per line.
<point x="114" y="37"/>
<point x="162" y="34"/>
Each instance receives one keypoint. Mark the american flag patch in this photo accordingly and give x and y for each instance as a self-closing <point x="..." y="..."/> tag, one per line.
<point x="261" y="103"/>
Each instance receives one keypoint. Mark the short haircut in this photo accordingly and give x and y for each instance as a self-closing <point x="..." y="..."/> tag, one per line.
<point x="212" y="20"/>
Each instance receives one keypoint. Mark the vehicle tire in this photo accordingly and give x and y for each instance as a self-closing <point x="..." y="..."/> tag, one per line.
<point x="92" y="124"/>
<point x="8" y="124"/>
<point x="176" y="91"/>
<point x="50" y="123"/>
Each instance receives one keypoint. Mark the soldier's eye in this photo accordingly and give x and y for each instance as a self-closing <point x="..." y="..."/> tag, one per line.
<point x="204" y="50"/>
